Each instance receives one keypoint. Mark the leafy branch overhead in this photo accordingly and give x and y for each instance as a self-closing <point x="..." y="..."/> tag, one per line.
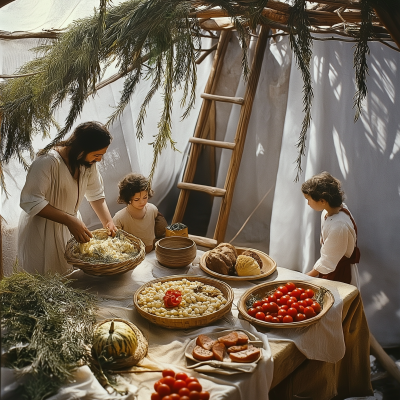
<point x="161" y="40"/>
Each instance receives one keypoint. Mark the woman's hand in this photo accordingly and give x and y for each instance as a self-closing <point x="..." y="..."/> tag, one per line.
<point x="111" y="228"/>
<point x="79" y="230"/>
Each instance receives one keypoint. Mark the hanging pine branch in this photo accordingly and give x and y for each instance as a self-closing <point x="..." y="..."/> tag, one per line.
<point x="301" y="43"/>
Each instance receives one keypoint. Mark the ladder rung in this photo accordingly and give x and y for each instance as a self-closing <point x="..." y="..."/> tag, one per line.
<point x="203" y="241"/>
<point x="215" y="143"/>
<point x="226" y="99"/>
<point x="202" y="188"/>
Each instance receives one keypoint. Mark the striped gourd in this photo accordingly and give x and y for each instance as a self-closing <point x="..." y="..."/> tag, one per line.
<point x="114" y="339"/>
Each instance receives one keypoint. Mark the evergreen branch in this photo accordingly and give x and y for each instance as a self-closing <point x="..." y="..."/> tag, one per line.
<point x="360" y="56"/>
<point x="301" y="43"/>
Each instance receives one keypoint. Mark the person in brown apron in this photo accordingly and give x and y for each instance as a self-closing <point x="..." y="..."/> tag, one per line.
<point x="338" y="236"/>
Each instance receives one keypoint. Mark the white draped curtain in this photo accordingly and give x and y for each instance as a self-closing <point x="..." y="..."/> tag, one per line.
<point x="363" y="155"/>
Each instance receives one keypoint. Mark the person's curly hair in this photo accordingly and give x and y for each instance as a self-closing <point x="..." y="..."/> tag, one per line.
<point x="132" y="184"/>
<point x="324" y="187"/>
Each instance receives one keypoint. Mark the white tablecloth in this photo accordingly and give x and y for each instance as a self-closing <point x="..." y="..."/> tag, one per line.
<point x="322" y="341"/>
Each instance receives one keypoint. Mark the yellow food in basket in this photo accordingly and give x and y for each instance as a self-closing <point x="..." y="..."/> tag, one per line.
<point x="111" y="248"/>
<point x="247" y="266"/>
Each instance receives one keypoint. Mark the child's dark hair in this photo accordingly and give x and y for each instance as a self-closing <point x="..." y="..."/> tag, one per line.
<point x="132" y="184"/>
<point x="324" y="187"/>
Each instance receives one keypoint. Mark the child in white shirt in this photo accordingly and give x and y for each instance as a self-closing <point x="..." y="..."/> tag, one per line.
<point x="138" y="217"/>
<point x="339" y="251"/>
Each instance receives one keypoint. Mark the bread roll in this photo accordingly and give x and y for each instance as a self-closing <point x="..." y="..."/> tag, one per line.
<point x="247" y="266"/>
<point x="254" y="255"/>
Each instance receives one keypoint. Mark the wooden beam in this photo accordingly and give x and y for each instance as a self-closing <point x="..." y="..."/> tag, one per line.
<point x="203" y="241"/>
<point x="215" y="143"/>
<point x="213" y="191"/>
<point x="51" y="34"/>
<point x="224" y="99"/>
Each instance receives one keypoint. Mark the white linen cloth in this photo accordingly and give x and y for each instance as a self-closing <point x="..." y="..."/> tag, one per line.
<point x="142" y="228"/>
<point x="41" y="242"/>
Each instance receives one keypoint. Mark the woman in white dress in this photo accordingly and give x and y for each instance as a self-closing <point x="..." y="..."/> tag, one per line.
<point x="339" y="251"/>
<point x="54" y="188"/>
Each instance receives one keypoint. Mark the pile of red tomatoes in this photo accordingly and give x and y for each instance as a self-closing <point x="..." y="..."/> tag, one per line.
<point x="179" y="386"/>
<point x="287" y="304"/>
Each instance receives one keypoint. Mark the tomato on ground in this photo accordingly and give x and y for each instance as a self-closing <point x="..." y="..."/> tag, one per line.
<point x="174" y="396"/>
<point x="155" y="396"/>
<point x="194" y="386"/>
<point x="163" y="390"/>
<point x="168" y="380"/>
<point x="168" y="372"/>
<point x="179" y="384"/>
<point x="191" y="379"/>
<point x="184" y="392"/>
<point x="194" y="395"/>
<point x="204" y="395"/>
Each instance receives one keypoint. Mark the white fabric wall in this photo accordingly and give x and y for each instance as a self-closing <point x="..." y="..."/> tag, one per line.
<point x="364" y="155"/>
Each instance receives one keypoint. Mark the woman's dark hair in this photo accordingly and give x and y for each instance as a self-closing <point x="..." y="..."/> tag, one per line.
<point x="324" y="187"/>
<point x="86" y="138"/>
<point x="132" y="184"/>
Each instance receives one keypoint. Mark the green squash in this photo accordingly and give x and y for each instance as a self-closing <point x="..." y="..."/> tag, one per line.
<point x="114" y="339"/>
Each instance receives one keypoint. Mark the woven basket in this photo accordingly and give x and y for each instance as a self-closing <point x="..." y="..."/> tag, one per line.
<point x="126" y="362"/>
<point x="265" y="288"/>
<point x="105" y="269"/>
<point x="175" y="251"/>
<point x="188" y="322"/>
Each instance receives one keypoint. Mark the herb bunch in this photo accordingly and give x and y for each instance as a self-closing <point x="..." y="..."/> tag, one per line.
<point x="47" y="330"/>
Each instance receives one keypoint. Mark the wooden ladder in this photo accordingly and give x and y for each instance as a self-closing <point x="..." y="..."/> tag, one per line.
<point x="199" y="140"/>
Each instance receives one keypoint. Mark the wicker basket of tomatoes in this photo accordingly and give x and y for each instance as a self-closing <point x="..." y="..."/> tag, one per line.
<point x="179" y="386"/>
<point x="282" y="304"/>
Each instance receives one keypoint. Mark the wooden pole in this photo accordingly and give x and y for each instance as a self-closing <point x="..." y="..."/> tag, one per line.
<point x="240" y="136"/>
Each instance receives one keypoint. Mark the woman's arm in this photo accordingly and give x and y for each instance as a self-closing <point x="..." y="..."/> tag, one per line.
<point x="101" y="209"/>
<point x="77" y="228"/>
<point x="313" y="273"/>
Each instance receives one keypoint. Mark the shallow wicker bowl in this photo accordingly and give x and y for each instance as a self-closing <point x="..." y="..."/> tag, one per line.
<point x="126" y="362"/>
<point x="264" y="288"/>
<point x="175" y="251"/>
<point x="187" y="322"/>
<point x="269" y="266"/>
<point x="105" y="269"/>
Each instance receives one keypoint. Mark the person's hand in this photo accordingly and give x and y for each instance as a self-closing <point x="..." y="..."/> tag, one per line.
<point x="79" y="230"/>
<point x="111" y="228"/>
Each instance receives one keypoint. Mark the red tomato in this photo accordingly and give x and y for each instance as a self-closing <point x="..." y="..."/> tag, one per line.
<point x="265" y="307"/>
<point x="280" y="318"/>
<point x="194" y="386"/>
<point x="310" y="293"/>
<point x="268" y="318"/>
<point x="174" y="396"/>
<point x="204" y="395"/>
<point x="278" y="294"/>
<point x="301" y="290"/>
<point x="251" y="311"/>
<point x="184" y="392"/>
<point x="275" y="320"/>
<point x="260" y="315"/>
<point x="299" y="317"/>
<point x="185" y="398"/>
<point x="316" y="307"/>
<point x="157" y="384"/>
<point x="302" y="303"/>
<point x="309" y="312"/>
<point x="309" y="301"/>
<point x="284" y="307"/>
<point x="283" y="289"/>
<point x="284" y="299"/>
<point x="303" y="296"/>
<point x="169" y="397"/>
<point x="168" y="372"/>
<point x="290" y="286"/>
<point x="301" y="309"/>
<point x="179" y="384"/>
<point x="295" y="305"/>
<point x="273" y="308"/>
<point x="163" y="390"/>
<point x="275" y="314"/>
<point x="282" y="312"/>
<point x="194" y="395"/>
<point x="155" y="396"/>
<point x="191" y="379"/>
<point x="259" y="309"/>
<point x="295" y="293"/>
<point x="168" y="380"/>
<point x="290" y="302"/>
<point x="264" y="300"/>
<point x="272" y="299"/>
<point x="292" y="312"/>
<point x="257" y="303"/>
<point x="287" y="318"/>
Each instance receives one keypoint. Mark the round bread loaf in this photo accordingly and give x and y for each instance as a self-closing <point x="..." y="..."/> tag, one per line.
<point x="218" y="262"/>
<point x="254" y="255"/>
<point x="229" y="246"/>
<point x="247" y="266"/>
